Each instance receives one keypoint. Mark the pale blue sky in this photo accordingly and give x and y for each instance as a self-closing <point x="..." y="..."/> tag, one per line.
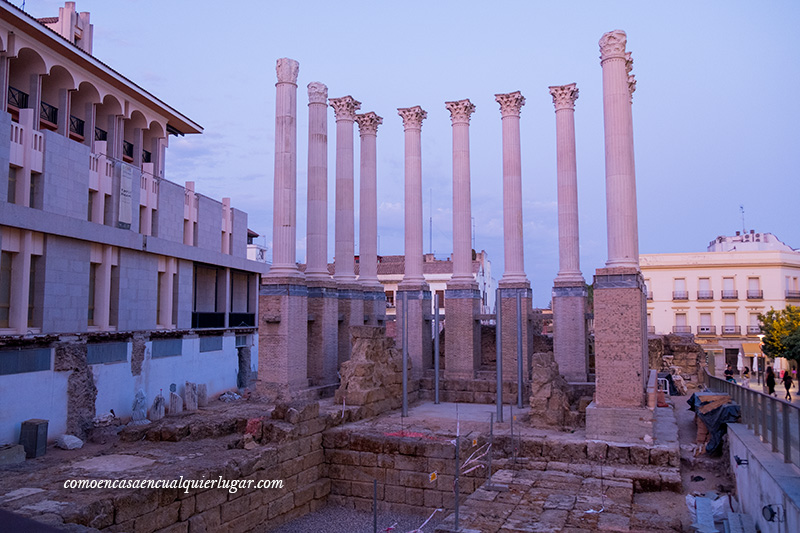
<point x="716" y="117"/>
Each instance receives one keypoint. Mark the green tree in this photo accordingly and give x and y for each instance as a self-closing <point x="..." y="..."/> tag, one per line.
<point x="781" y="331"/>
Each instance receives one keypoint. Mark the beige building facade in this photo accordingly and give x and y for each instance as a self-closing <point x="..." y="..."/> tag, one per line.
<point x="718" y="294"/>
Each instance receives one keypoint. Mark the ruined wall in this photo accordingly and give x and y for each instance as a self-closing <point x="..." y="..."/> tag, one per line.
<point x="676" y="350"/>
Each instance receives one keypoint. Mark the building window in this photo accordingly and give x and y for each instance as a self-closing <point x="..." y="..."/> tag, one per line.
<point x="390" y="299"/>
<point x="12" y="185"/>
<point x="729" y="327"/>
<point x="647" y="290"/>
<point x="728" y="290"/>
<point x="211" y="344"/>
<point x="679" y="291"/>
<point x="753" y="325"/>
<point x="754" y="291"/>
<point x="440" y="294"/>
<point x="19" y="361"/>
<point x="167" y="347"/>
<point x="92" y="291"/>
<point x="681" y="325"/>
<point x="107" y="352"/>
<point x="705" y="327"/>
<point x="704" y="291"/>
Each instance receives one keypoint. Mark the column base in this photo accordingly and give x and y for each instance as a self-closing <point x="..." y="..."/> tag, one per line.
<point x="323" y="332"/>
<point x="569" y="330"/>
<point x="620" y="424"/>
<point x="462" y="331"/>
<point x="508" y="301"/>
<point x="620" y="336"/>
<point x="351" y="313"/>
<point x="282" y="337"/>
<point x="420" y="329"/>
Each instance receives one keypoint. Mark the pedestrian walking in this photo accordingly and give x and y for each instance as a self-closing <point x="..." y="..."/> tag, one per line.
<point x="787" y="382"/>
<point x="746" y="377"/>
<point x="769" y="381"/>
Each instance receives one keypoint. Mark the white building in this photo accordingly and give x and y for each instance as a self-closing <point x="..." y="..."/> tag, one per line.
<point x="717" y="295"/>
<point x="112" y="278"/>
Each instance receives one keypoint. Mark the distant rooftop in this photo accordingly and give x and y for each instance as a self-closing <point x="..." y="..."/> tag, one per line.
<point x="748" y="242"/>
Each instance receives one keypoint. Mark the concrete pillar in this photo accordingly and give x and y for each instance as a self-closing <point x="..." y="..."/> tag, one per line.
<point x="514" y="281"/>
<point x="283" y="296"/>
<point x="462" y="338"/>
<point x="619" y="411"/>
<point x="374" y="297"/>
<point x="20" y="282"/>
<point x="420" y="334"/>
<point x="350" y="293"/>
<point x="323" y="302"/>
<point x="569" y="291"/>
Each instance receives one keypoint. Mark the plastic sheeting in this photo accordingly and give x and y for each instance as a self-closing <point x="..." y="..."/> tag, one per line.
<point x="716" y="421"/>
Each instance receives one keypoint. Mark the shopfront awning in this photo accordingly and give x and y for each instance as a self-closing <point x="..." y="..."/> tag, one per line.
<point x="751" y="349"/>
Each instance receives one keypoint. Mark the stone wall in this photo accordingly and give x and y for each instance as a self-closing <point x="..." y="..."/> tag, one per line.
<point x="676" y="350"/>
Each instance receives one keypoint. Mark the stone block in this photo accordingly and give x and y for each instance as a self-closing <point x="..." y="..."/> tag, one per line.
<point x="11" y="454"/>
<point x="134" y="505"/>
<point x="209" y="499"/>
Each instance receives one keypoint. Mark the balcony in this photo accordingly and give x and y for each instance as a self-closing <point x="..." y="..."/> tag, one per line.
<point x="208" y="320"/>
<point x="649" y="296"/>
<point x="17" y="98"/>
<point x="682" y="330"/>
<point x="754" y="330"/>
<point x="651" y="330"/>
<point x="127" y="150"/>
<point x="100" y="135"/>
<point x="731" y="330"/>
<point x="792" y="295"/>
<point x="705" y="295"/>
<point x="48" y="113"/>
<point x="730" y="295"/>
<point x="755" y="294"/>
<point x="146" y="157"/>
<point x="242" y="320"/>
<point x="680" y="295"/>
<point x="705" y="331"/>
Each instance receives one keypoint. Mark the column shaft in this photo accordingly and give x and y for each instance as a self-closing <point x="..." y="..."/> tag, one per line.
<point x="284" y="215"/>
<point x="368" y="201"/>
<point x="462" y="248"/>
<point x="344" y="253"/>
<point x="317" y="215"/>
<point x="412" y="122"/>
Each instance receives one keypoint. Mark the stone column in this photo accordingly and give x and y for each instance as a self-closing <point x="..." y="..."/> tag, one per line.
<point x="569" y="291"/>
<point x="323" y="303"/>
<point x="420" y="334"/>
<point x="462" y="340"/>
<point x="283" y="302"/>
<point x="514" y="280"/>
<point x="351" y="303"/>
<point x="374" y="297"/>
<point x="619" y="411"/>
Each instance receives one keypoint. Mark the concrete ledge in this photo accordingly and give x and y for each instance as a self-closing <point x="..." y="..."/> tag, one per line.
<point x="765" y="480"/>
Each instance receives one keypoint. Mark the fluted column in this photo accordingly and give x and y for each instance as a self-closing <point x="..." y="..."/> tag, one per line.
<point x="618" y="87"/>
<point x="368" y="200"/>
<point x="412" y="124"/>
<point x="284" y="214"/>
<point x="564" y="97"/>
<point x="460" y="112"/>
<point x="510" y="105"/>
<point x="317" y="215"/>
<point x="345" y="111"/>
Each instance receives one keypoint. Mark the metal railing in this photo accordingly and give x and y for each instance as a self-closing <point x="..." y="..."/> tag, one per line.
<point x="680" y="295"/>
<point x="775" y="421"/>
<point x="17" y="98"/>
<point x="755" y="294"/>
<point x="685" y="330"/>
<point x="731" y="330"/>
<point x="706" y="330"/>
<point x="100" y="134"/>
<point x="48" y="112"/>
<point x="730" y="295"/>
<point x="127" y="149"/>
<point x="792" y="295"/>
<point x="705" y="295"/>
<point x="753" y="330"/>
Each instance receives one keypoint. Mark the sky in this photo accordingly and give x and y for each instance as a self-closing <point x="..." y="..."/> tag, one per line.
<point x="716" y="116"/>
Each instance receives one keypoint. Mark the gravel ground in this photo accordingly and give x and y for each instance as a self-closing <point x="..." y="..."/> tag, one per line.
<point x="333" y="519"/>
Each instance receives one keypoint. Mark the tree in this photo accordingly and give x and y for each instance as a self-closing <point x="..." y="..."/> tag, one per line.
<point x="781" y="331"/>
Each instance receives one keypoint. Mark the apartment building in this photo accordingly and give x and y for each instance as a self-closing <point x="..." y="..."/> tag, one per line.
<point x="718" y="294"/>
<point x="112" y="278"/>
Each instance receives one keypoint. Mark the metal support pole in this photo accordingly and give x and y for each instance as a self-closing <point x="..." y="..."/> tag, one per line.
<point x="787" y="436"/>
<point x="774" y="413"/>
<point x="374" y="506"/>
<point x="513" y="448"/>
<point x="519" y="350"/>
<point x="499" y="356"/>
<point x="405" y="354"/>
<point x="436" y="348"/>
<point x="458" y="474"/>
<point x="491" y="445"/>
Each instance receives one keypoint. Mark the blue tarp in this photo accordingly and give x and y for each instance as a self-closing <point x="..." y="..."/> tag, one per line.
<point x="716" y="420"/>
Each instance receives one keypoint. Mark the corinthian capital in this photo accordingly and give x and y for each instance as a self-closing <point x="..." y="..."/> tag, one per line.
<point x="564" y="96"/>
<point x="631" y="85"/>
<point x="612" y="44"/>
<point x="368" y="123"/>
<point x="345" y="108"/>
<point x="510" y="103"/>
<point x="287" y="70"/>
<point x="317" y="93"/>
<point x="460" y="111"/>
<point x="412" y="117"/>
